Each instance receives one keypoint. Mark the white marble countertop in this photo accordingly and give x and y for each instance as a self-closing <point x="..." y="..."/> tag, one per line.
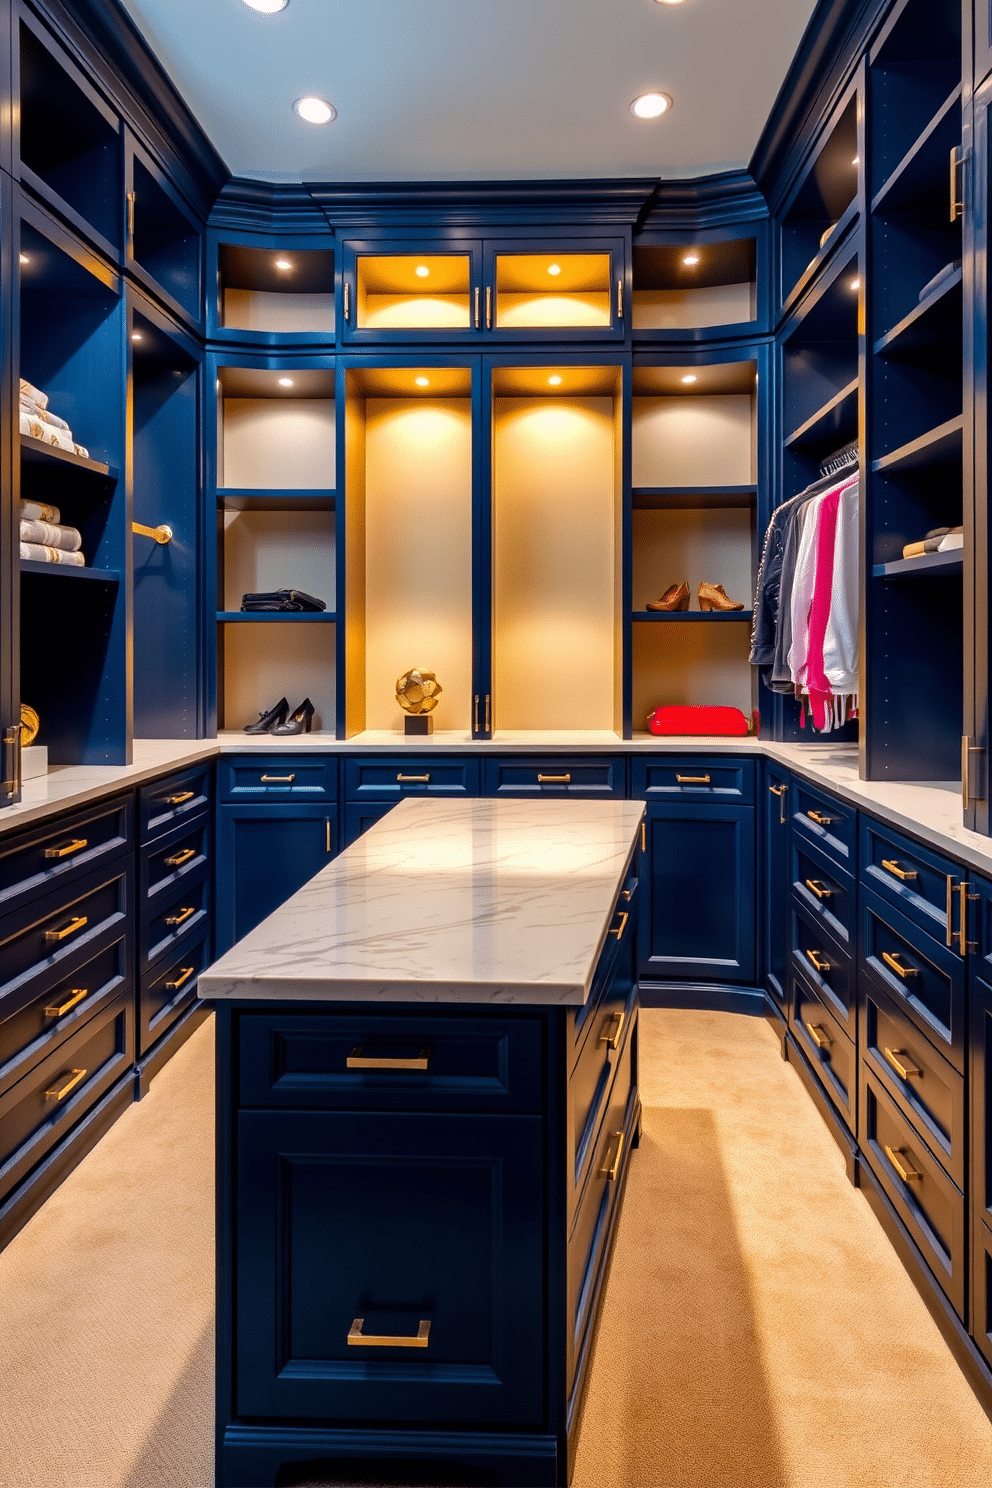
<point x="490" y="901"/>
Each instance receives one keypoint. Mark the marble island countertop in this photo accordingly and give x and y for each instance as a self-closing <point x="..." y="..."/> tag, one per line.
<point x="506" y="902"/>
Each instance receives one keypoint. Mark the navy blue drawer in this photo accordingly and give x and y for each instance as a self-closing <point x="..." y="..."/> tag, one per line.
<point x="822" y="889"/>
<point x="554" y="777"/>
<point x="178" y="913"/>
<point x="981" y="1099"/>
<point x="696" y="777"/>
<point x="826" y="966"/>
<point x="392" y="779"/>
<point x="175" y="856"/>
<point x="914" y="879"/>
<point x="982" y="1329"/>
<point x="61" y="850"/>
<point x="920" y="974"/>
<point x="43" y="943"/>
<point x="830" y="1052"/>
<point x="165" y="803"/>
<point x="165" y="995"/>
<point x="260" y="777"/>
<point x="822" y="819"/>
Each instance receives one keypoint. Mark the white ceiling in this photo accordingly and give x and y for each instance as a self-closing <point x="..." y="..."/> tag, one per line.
<point x="477" y="89"/>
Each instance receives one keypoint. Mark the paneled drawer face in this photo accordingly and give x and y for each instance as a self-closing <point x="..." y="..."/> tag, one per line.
<point x="825" y="821"/>
<point x="554" y="777"/>
<point x="620" y="940"/>
<point x="164" y="995"/>
<point x="174" y="857"/>
<point x="823" y="890"/>
<point x="592" y="1077"/>
<point x="391" y="779"/>
<point x="927" y="1202"/>
<point x="181" y="915"/>
<point x="29" y="1030"/>
<point x="36" y="1111"/>
<point x="259" y="777"/>
<point x="390" y="1063"/>
<point x="693" y="778"/>
<point x="165" y="803"/>
<point x="983" y="1290"/>
<point x="921" y="976"/>
<point x="929" y="1091"/>
<point x="827" y="1047"/>
<point x="32" y="863"/>
<point x="828" y="968"/>
<point x="58" y="936"/>
<point x="981" y="1095"/>
<point x="919" y="883"/>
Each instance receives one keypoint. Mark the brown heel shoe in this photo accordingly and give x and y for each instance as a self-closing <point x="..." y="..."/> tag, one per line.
<point x="675" y="597"/>
<point x="714" y="597"/>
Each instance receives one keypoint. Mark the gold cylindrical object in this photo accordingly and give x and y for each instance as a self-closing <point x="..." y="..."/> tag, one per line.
<point x="75" y="997"/>
<point x="59" y="1092"/>
<point x="76" y="845"/>
<point x="75" y="924"/>
<point x="897" y="966"/>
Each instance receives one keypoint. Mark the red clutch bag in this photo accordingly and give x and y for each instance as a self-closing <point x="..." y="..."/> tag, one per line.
<point x="681" y="719"/>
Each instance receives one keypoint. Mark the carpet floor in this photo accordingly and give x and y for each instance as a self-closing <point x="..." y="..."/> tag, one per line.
<point x="758" y="1331"/>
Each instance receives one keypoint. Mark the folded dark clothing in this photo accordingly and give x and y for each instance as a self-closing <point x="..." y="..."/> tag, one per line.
<point x="281" y="600"/>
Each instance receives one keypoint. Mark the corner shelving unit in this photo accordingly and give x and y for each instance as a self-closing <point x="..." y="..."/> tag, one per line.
<point x="280" y="295"/>
<point x="694" y="286"/>
<point x="824" y="207"/>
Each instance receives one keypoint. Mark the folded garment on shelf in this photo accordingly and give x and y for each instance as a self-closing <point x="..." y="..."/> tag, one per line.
<point x="938" y="540"/>
<point x="39" y="511"/>
<point x="33" y="394"/>
<point x="50" y="535"/>
<point x="281" y="600"/>
<point x="938" y="278"/>
<point x="35" y="411"/>
<point x="49" y="434"/>
<point x="38" y="553"/>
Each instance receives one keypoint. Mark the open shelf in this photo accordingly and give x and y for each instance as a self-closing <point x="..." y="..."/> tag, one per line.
<point x="40" y="453"/>
<point x="276" y="429"/>
<point x="923" y="566"/>
<point x="831" y="241"/>
<point x="285" y="291"/>
<point x="641" y="616"/>
<point x="682" y="287"/>
<point x="164" y="240"/>
<point x="247" y="499"/>
<point x="233" y="617"/>
<point x="831" y="426"/>
<point x="936" y="321"/>
<point x="940" y="446"/>
<point x="915" y="64"/>
<point x="67" y="571"/>
<point x="919" y="182"/>
<point x="826" y="199"/>
<point x="679" y="498"/>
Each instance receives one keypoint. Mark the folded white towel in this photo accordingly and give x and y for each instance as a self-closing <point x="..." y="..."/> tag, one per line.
<point x="52" y="536"/>
<point x="28" y="390"/>
<point x="37" y="553"/>
<point x="47" y="433"/>
<point x="950" y="542"/>
<point x="39" y="511"/>
<point x="36" y="411"/>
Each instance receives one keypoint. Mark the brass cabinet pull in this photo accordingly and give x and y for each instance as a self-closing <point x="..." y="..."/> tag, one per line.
<point x="413" y="779"/>
<point x="692" y="780"/>
<point x="358" y="1339"/>
<point x="75" y="997"/>
<point x="778" y="790"/>
<point x="904" y="875"/>
<point x="619" y="929"/>
<point x="819" y="889"/>
<point x="70" y="929"/>
<point x="475" y="713"/>
<point x="59" y="1092"/>
<point x="277" y="779"/>
<point x="489" y="307"/>
<point x="897" y="966"/>
<point x="488" y="716"/>
<point x="610" y="1171"/>
<point x="181" y="917"/>
<point x="818" y="961"/>
<point x="347" y="302"/>
<point x="612" y="1039"/>
<point x="181" y="980"/>
<point x="619" y="299"/>
<point x="908" y="1175"/>
<point x="76" y="845"/>
<point x="476" y="307"/>
<point x="357" y="1060"/>
<point x="949" y="909"/>
<point x="819" y="818"/>
<point x="178" y="859"/>
<point x="162" y="534"/>
<point x="132" y="197"/>
<point x="644" y="837"/>
<point x="180" y="798"/>
<point x="818" y="1036"/>
<point x="327" y="832"/>
<point x="904" y="1071"/>
<point x="959" y="156"/>
<point x="554" y="779"/>
<point x="781" y="791"/>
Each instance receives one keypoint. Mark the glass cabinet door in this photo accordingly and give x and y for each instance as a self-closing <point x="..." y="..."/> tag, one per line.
<point x="534" y="291"/>
<point x="410" y="292"/>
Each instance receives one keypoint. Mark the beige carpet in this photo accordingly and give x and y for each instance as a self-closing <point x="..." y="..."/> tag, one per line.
<point x="758" y="1330"/>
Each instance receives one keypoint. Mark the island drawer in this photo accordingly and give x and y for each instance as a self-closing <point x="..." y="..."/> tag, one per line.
<point x="592" y="1078"/>
<point x="920" y="975"/>
<point x="389" y="1062"/>
<point x="827" y="967"/>
<point x="277" y="777"/>
<point x="824" y="820"/>
<point x="615" y="968"/>
<point x="165" y="803"/>
<point x="831" y="1053"/>
<point x="62" y="850"/>
<point x="693" y="778"/>
<point x="583" y="776"/>
<point x="824" y="890"/>
<point x="918" y="882"/>
<point x="392" y="779"/>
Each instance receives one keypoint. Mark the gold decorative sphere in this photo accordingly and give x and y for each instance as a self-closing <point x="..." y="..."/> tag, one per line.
<point x="417" y="691"/>
<point x="30" y="724"/>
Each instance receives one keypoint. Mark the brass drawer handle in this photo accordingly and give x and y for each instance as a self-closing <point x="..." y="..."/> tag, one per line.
<point x="277" y="779"/>
<point x="612" y="1039"/>
<point x="59" y="1092"/>
<point x="820" y="819"/>
<point x="818" y="1036"/>
<point x="413" y="779"/>
<point x="897" y="966"/>
<point x="904" y="1071"/>
<point x="181" y="917"/>
<point x="819" y="889"/>
<point x="818" y="961"/>
<point x="692" y="780"/>
<point x="778" y="790"/>
<point x="178" y="800"/>
<point x="618" y="931"/>
<point x="357" y="1060"/>
<point x="178" y="859"/>
<point x="908" y="1175"/>
<point x="75" y="997"/>
<point x="70" y="929"/>
<point x="181" y="980"/>
<point x="610" y="1171"/>
<point x="554" y="779"/>
<point x="76" y="845"/>
<point x="904" y="875"/>
<point x="358" y="1339"/>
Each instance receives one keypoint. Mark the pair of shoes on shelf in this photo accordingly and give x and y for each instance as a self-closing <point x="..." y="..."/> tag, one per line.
<point x="276" y="721"/>
<point x="711" y="597"/>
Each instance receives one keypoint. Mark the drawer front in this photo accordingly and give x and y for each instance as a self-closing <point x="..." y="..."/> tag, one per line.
<point x="928" y="1090"/>
<point x="927" y="1202"/>
<point x="922" y="976"/>
<point x="982" y="1329"/>
<point x="923" y="886"/>
<point x="32" y="863"/>
<point x="616" y="962"/>
<point x="981" y="1099"/>
<point x="377" y="1062"/>
<point x="181" y="915"/>
<point x="43" y="1106"/>
<point x="165" y="995"/>
<point x="822" y="890"/>
<point x="825" y="821"/>
<point x="826" y="966"/>
<point x="174" y="857"/>
<point x="827" y="1047"/>
<point x="392" y="779"/>
<point x="554" y="777"/>
<point x="56" y="1006"/>
<point x="165" y="803"/>
<point x="43" y="944"/>
<point x="592" y="1080"/>
<point x="693" y="778"/>
<point x="259" y="777"/>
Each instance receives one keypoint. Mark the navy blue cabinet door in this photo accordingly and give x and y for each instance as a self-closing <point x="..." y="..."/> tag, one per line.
<point x="775" y="819"/>
<point x="360" y="815"/>
<point x="264" y="854"/>
<point x="699" y="920"/>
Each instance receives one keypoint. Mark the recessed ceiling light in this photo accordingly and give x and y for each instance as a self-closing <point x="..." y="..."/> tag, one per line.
<point x="269" y="7"/>
<point x="691" y="259"/>
<point x="855" y="285"/>
<point x="650" y="105"/>
<point x="554" y="269"/>
<point x="136" y="336"/>
<point x="690" y="377"/>
<point x="315" y="110"/>
<point x="422" y="381"/>
<point x="554" y="380"/>
<point x="283" y="263"/>
<point x="24" y="258"/>
<point x="285" y="382"/>
<point x="421" y="271"/>
<point x="671" y="2"/>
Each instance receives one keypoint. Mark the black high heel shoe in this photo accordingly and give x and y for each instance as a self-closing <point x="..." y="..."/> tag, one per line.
<point x="268" y="722"/>
<point x="298" y="721"/>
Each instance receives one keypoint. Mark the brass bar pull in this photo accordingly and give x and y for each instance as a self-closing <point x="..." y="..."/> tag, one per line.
<point x="644" y="837"/>
<point x="781" y="791"/>
<point x="178" y="859"/>
<point x="692" y="780"/>
<point x="958" y="157"/>
<point x="180" y="798"/>
<point x="475" y="715"/>
<point x="70" y="929"/>
<point x="619" y="299"/>
<point x="327" y="832"/>
<point x="413" y="779"/>
<point x="10" y="785"/>
<point x="357" y="1060"/>
<point x="277" y="779"/>
<point x="818" y="1036"/>
<point x="347" y="302"/>
<point x="949" y="908"/>
<point x="908" y="1175"/>
<point x="618" y="932"/>
<point x="904" y="1071"/>
<point x="59" y="1092"/>
<point x="476" y="307"/>
<point x="554" y="779"/>
<point x="76" y="845"/>
<point x="75" y="998"/>
<point x="181" y="917"/>
<point x="904" y="875"/>
<point x="181" y="979"/>
<point x="489" y="307"/>
<point x="897" y="966"/>
<point x="610" y="1171"/>
<point x="358" y="1339"/>
<point x="612" y="1038"/>
<point x="161" y="534"/>
<point x="818" y="961"/>
<point x="819" y="818"/>
<point x="132" y="198"/>
<point x="488" y="729"/>
<point x="778" y="790"/>
<point x="819" y="889"/>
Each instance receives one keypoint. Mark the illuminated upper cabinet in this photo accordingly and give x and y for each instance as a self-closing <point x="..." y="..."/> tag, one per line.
<point x="699" y="286"/>
<point x="272" y="292"/>
<point x="554" y="291"/>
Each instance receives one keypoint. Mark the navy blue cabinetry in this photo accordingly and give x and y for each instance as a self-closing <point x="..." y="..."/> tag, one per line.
<point x="164" y="239"/>
<point x="271" y="290"/>
<point x="776" y="877"/>
<point x="557" y="775"/>
<point x="373" y="785"/>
